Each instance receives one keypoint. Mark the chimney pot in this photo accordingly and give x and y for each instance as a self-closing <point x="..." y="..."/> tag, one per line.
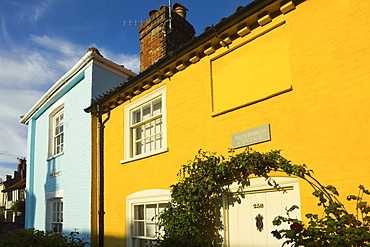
<point x="156" y="40"/>
<point x="152" y="12"/>
<point x="180" y="10"/>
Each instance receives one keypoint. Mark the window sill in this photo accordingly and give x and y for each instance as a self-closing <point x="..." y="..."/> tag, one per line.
<point x="54" y="156"/>
<point x="143" y="156"/>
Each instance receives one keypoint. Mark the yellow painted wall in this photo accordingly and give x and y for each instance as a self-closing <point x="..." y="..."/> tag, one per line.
<point x="320" y="117"/>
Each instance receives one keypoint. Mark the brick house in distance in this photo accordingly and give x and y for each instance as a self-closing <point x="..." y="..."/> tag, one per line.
<point x="13" y="192"/>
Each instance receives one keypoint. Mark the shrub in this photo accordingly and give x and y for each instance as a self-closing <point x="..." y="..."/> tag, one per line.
<point x="19" y="206"/>
<point x="36" y="238"/>
<point x="336" y="227"/>
<point x="190" y="218"/>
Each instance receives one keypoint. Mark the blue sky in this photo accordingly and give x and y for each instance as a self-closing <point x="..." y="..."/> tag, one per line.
<point x="40" y="40"/>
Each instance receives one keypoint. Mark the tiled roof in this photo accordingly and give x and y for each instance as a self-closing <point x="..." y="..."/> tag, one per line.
<point x="209" y="32"/>
<point x="18" y="185"/>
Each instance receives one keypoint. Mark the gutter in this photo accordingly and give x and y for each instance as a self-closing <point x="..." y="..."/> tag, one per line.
<point x="59" y="84"/>
<point x="101" y="212"/>
<point x="238" y="16"/>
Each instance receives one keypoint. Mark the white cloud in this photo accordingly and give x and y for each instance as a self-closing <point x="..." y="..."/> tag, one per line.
<point x="131" y="62"/>
<point x="27" y="71"/>
<point x="23" y="70"/>
<point x="61" y="53"/>
<point x="25" y="66"/>
<point x="67" y="49"/>
<point x="4" y="31"/>
<point x="34" y="11"/>
<point x="7" y="170"/>
<point x="13" y="104"/>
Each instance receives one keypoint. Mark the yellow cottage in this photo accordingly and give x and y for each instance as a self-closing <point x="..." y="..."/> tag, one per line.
<point x="288" y="75"/>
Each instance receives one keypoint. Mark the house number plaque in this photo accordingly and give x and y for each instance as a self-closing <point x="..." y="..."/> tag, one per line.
<point x="258" y="205"/>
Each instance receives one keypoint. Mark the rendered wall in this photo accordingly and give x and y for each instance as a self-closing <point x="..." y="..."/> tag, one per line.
<point x="318" y="117"/>
<point x="76" y="180"/>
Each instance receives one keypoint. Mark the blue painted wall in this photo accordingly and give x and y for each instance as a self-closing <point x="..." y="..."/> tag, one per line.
<point x="74" y="182"/>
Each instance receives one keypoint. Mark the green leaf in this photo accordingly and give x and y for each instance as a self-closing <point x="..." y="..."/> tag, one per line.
<point x="332" y="189"/>
<point x="308" y="216"/>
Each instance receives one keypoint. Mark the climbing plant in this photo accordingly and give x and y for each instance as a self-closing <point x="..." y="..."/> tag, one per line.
<point x="336" y="227"/>
<point x="18" y="206"/>
<point x="190" y="219"/>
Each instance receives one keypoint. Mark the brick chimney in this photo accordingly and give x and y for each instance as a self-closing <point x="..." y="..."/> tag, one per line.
<point x="159" y="35"/>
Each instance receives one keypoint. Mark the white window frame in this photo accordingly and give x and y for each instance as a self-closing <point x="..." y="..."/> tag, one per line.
<point x="145" y="197"/>
<point x="55" y="113"/>
<point x="55" y="214"/>
<point x="129" y="125"/>
<point x="58" y="138"/>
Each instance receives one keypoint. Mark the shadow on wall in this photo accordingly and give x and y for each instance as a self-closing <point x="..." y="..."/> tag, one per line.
<point x="30" y="207"/>
<point x="50" y="186"/>
<point x="115" y="241"/>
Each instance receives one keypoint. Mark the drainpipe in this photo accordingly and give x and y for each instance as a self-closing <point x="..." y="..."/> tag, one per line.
<point x="101" y="173"/>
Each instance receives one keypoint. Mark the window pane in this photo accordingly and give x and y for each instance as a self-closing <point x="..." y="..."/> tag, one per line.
<point x="158" y="141"/>
<point x="161" y="207"/>
<point x="140" y="243"/>
<point x="138" y="228"/>
<point x="158" y="125"/>
<point x="149" y="142"/>
<point x="149" y="129"/>
<point x="138" y="132"/>
<point x="150" y="211"/>
<point x="157" y="107"/>
<point x="136" y="117"/>
<point x="138" y="147"/>
<point x="150" y="229"/>
<point x="146" y="112"/>
<point x="139" y="212"/>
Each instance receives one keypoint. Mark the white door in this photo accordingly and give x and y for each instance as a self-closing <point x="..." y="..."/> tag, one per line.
<point x="249" y="214"/>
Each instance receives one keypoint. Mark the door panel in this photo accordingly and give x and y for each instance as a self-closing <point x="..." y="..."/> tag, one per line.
<point x="249" y="216"/>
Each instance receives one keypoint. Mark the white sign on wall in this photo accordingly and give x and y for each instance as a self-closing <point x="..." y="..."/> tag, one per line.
<point x="251" y="136"/>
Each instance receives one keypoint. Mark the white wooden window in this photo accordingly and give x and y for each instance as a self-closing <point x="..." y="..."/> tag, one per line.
<point x="143" y="208"/>
<point x="145" y="125"/>
<point x="56" y="215"/>
<point x="58" y="133"/>
<point x="145" y="222"/>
